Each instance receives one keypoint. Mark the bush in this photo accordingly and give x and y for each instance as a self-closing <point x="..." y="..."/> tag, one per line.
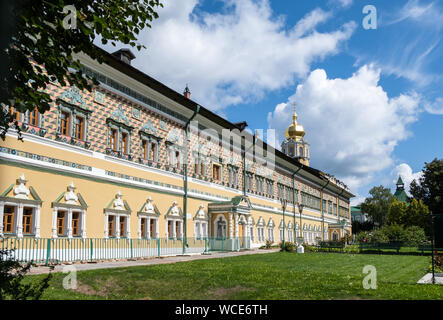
<point x="268" y="244"/>
<point x="289" y="246"/>
<point x="361" y="236"/>
<point x="394" y="233"/>
<point x="11" y="276"/>
<point x="378" y="236"/>
<point x="415" y="235"/>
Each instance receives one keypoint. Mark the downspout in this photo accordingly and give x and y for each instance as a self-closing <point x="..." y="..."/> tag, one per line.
<point x="323" y="213"/>
<point x="185" y="199"/>
<point x="293" y="199"/>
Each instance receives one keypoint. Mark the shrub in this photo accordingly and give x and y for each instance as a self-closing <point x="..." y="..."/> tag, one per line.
<point x="11" y="275"/>
<point x="361" y="236"/>
<point x="268" y="244"/>
<point x="394" y="233"/>
<point x="378" y="236"/>
<point x="415" y="235"/>
<point x="289" y="246"/>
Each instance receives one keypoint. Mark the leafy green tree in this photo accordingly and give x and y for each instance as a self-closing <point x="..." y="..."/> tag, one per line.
<point x="415" y="235"/>
<point x="418" y="215"/>
<point x="11" y="279"/>
<point x="429" y="188"/>
<point x="394" y="233"/>
<point x="377" y="205"/>
<point x="39" y="40"/>
<point x="397" y="213"/>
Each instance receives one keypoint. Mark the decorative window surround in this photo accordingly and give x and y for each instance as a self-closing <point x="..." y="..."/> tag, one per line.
<point x="150" y="212"/>
<point x="73" y="111"/>
<point x="118" y="208"/>
<point x="201" y="221"/>
<point x="19" y="199"/>
<point x="221" y="227"/>
<point x="174" y="217"/>
<point x="74" y="203"/>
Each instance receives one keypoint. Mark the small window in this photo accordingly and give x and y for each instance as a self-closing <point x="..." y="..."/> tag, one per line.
<point x="143" y="227"/>
<point x="8" y="219"/>
<point x="177" y="159"/>
<point x="122" y="226"/>
<point x="75" y="224"/>
<point x="216" y="172"/>
<point x="113" y="139"/>
<point x="111" y="226"/>
<point x="64" y="123"/>
<point x="152" y="229"/>
<point x="153" y="151"/>
<point x="145" y="149"/>
<point x="124" y="148"/>
<point x="27" y="220"/>
<point x="61" y="223"/>
<point x="15" y="114"/>
<point x="79" y="125"/>
<point x="33" y="117"/>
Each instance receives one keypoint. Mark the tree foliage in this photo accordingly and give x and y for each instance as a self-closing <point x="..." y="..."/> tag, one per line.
<point x="397" y="213"/>
<point x="11" y="279"/>
<point x="377" y="205"/>
<point x="37" y="47"/>
<point x="429" y="188"/>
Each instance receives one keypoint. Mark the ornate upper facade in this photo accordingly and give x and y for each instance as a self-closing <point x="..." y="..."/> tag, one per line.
<point x="131" y="139"/>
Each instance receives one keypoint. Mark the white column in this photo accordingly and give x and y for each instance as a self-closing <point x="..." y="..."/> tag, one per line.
<point x="156" y="228"/>
<point x="83" y="224"/>
<point x="174" y="231"/>
<point x="117" y="226"/>
<point x="139" y="227"/>
<point x="128" y="226"/>
<point x="54" y="223"/>
<point x="2" y="208"/>
<point x="231" y="226"/>
<point x="20" y="221"/>
<point x="106" y="226"/>
<point x="36" y="222"/>
<point x="236" y="224"/>
<point x="148" y="230"/>
<point x="69" y="226"/>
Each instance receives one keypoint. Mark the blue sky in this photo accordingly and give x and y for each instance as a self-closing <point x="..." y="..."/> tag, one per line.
<point x="371" y="101"/>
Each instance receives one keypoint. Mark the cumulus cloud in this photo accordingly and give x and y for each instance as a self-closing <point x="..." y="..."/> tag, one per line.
<point x="405" y="171"/>
<point x="234" y="56"/>
<point x="351" y="124"/>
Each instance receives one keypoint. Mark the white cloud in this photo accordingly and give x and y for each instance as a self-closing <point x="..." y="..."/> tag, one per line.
<point x="351" y="124"/>
<point x="428" y="14"/>
<point x="435" y="107"/>
<point x="405" y="171"/>
<point x="235" y="56"/>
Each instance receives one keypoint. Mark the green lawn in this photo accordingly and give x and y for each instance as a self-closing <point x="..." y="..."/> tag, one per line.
<point x="265" y="276"/>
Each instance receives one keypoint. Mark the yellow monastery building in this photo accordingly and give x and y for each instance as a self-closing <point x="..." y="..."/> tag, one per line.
<point x="136" y="167"/>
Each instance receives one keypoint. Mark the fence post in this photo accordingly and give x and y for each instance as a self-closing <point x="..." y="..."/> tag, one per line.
<point x="206" y="244"/>
<point x="48" y="251"/>
<point x="91" y="249"/>
<point x="158" y="247"/>
<point x="223" y="244"/>
<point x="132" y="256"/>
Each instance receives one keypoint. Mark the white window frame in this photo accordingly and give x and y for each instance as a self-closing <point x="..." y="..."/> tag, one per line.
<point x="18" y="218"/>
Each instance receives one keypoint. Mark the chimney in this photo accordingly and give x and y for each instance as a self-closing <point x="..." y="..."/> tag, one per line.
<point x="124" y="55"/>
<point x="187" y="93"/>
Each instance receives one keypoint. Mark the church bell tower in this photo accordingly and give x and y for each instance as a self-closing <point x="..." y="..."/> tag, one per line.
<point x="295" y="145"/>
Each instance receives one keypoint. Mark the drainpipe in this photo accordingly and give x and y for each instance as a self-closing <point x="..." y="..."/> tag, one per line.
<point x="185" y="196"/>
<point x="322" y="212"/>
<point x="244" y="164"/>
<point x="293" y="199"/>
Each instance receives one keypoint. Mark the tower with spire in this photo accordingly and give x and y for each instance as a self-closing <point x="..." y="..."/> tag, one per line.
<point x="295" y="145"/>
<point x="400" y="192"/>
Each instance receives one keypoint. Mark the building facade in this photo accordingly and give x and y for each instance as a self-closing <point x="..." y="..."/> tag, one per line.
<point x="134" y="159"/>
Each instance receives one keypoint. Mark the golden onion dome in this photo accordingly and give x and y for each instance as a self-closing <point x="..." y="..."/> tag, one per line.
<point x="294" y="131"/>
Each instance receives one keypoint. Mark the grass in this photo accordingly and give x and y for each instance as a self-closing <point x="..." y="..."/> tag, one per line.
<point x="279" y="275"/>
